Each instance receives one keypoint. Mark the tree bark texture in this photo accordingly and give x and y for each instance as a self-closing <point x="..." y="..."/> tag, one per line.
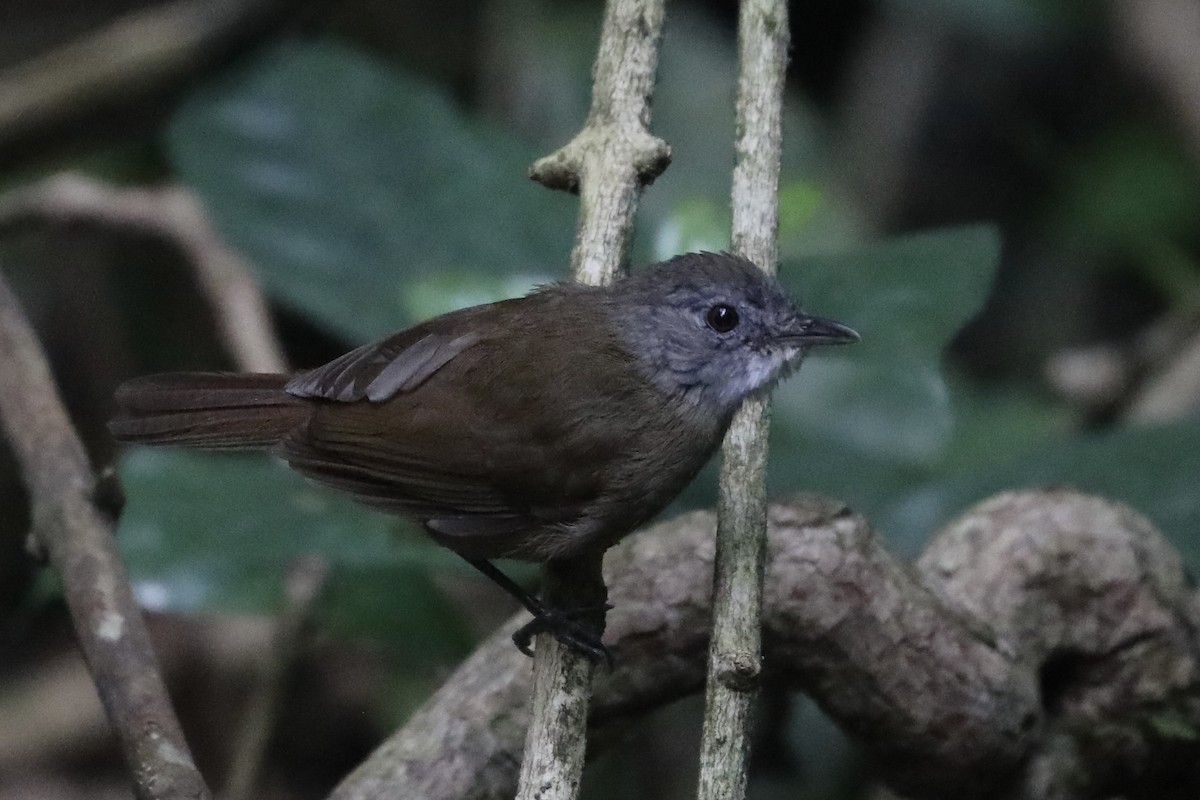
<point x="735" y="651"/>
<point x="607" y="163"/>
<point x="73" y="515"/>
<point x="1045" y="645"/>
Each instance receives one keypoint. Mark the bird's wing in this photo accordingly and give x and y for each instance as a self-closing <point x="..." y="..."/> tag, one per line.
<point x="463" y="467"/>
<point x="449" y="436"/>
<point x="379" y="370"/>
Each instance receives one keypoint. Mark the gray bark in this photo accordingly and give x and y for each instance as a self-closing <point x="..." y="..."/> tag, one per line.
<point x="735" y="657"/>
<point x="74" y="514"/>
<point x="1045" y="645"/>
<point x="608" y="163"/>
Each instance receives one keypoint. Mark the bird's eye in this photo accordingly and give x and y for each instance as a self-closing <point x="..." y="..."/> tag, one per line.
<point x="722" y="318"/>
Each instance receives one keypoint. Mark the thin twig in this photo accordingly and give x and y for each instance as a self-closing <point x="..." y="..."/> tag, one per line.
<point x="174" y="214"/>
<point x="77" y="536"/>
<point x="301" y="589"/>
<point x="939" y="672"/>
<point x="735" y="651"/>
<point x="608" y="163"/>
<point x="138" y="53"/>
<point x="614" y="156"/>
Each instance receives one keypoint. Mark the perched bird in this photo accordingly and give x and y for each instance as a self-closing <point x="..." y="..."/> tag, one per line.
<point x="537" y="428"/>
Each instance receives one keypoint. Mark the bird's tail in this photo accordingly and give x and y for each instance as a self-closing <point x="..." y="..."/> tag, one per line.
<point x="212" y="410"/>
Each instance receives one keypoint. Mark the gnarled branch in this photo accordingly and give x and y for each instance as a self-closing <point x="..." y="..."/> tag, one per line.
<point x="1045" y="645"/>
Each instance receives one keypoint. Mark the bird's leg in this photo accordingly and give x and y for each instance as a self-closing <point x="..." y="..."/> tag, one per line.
<point x="560" y="624"/>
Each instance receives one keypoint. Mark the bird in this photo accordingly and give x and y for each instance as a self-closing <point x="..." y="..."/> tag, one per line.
<point x="538" y="428"/>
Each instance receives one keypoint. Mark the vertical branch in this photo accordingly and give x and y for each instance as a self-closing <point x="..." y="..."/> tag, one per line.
<point x="72" y="524"/>
<point x="735" y="651"/>
<point x="608" y="163"/>
<point x="560" y="697"/>
<point x="615" y="155"/>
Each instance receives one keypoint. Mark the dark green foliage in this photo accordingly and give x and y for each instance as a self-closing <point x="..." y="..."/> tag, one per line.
<point x="367" y="201"/>
<point x="364" y="197"/>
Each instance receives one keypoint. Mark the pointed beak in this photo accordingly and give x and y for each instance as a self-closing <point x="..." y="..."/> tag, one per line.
<point x="806" y="330"/>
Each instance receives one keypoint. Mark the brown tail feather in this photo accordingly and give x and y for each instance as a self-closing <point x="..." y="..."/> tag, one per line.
<point x="214" y="410"/>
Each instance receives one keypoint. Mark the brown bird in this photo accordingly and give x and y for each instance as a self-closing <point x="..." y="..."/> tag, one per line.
<point x="537" y="428"/>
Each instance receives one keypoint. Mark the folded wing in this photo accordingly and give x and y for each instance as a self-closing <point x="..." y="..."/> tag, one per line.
<point x="431" y="424"/>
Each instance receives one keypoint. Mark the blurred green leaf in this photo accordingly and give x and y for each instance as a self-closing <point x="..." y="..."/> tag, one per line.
<point x="218" y="532"/>
<point x="879" y="425"/>
<point x="363" y="197"/>
<point x="1132" y="193"/>
<point x="866" y="420"/>
<point x="799" y="201"/>
<point x="696" y="223"/>
<point x="1156" y="470"/>
<point x="910" y="294"/>
<point x="400" y="605"/>
<point x="1130" y="185"/>
<point x="998" y="423"/>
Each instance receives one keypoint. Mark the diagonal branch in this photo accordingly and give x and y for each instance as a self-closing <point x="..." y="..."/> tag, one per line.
<point x="174" y="214"/>
<point x="75" y="529"/>
<point x="138" y="53"/>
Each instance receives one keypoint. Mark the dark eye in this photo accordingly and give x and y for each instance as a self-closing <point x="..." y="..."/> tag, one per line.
<point x="722" y="318"/>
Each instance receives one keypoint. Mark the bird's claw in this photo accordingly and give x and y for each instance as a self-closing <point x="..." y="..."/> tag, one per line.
<point x="562" y="625"/>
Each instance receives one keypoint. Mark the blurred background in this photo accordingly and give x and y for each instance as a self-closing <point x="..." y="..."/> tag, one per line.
<point x="1002" y="196"/>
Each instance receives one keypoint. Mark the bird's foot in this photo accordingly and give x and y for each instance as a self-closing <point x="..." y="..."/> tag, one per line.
<point x="564" y="626"/>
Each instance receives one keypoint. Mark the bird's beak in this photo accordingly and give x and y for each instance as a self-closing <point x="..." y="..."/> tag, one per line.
<point x="806" y="330"/>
